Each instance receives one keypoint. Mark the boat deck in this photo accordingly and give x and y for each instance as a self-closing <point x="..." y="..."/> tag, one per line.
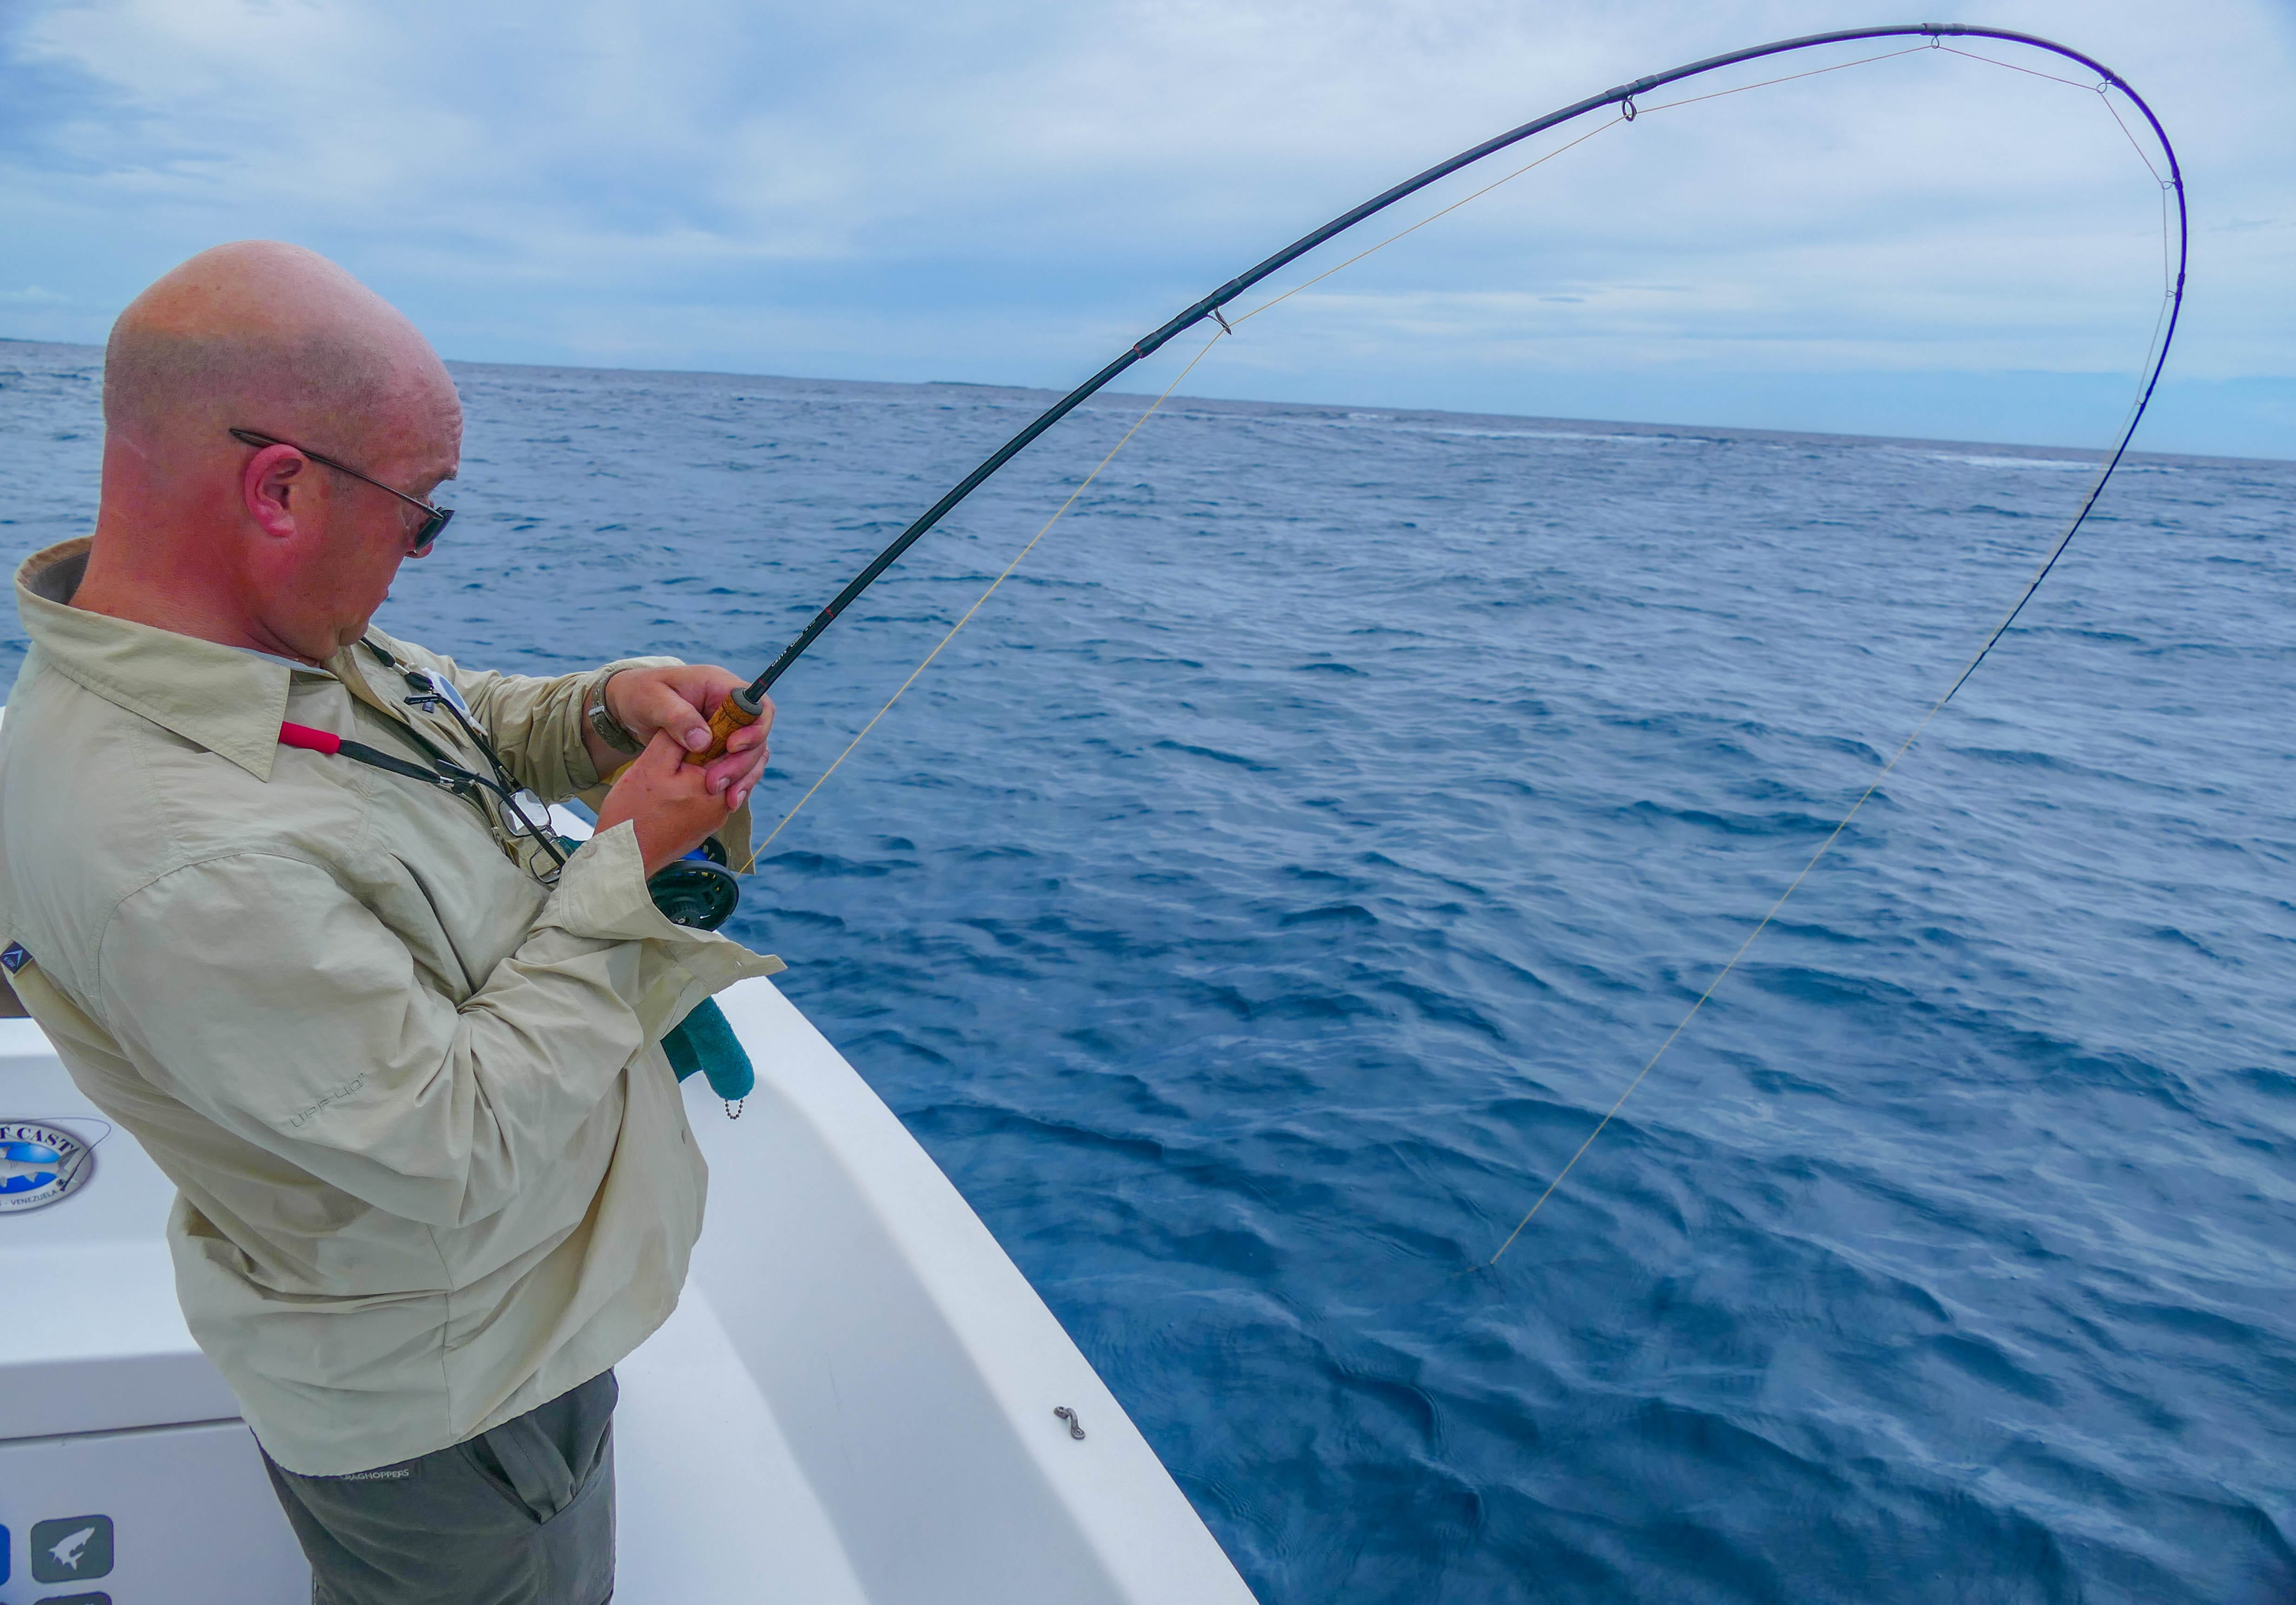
<point x="854" y="1402"/>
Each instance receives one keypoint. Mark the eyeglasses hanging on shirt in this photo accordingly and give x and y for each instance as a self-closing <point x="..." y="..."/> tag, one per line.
<point x="533" y="842"/>
<point x="698" y="890"/>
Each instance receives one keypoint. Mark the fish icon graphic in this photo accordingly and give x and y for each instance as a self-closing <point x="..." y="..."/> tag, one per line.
<point x="71" y="1548"/>
<point x="25" y="1166"/>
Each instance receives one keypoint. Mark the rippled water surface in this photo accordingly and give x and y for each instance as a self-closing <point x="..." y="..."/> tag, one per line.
<point x="1255" y="907"/>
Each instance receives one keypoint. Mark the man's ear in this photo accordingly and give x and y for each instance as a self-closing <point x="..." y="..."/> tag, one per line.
<point x="275" y="486"/>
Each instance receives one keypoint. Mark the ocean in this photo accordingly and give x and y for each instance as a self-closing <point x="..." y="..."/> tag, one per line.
<point x="1255" y="907"/>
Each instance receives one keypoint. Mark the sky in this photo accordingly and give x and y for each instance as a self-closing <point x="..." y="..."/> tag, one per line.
<point x="1012" y="190"/>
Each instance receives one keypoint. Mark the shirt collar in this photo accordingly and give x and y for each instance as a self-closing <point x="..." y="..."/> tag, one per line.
<point x="289" y="663"/>
<point x="227" y="699"/>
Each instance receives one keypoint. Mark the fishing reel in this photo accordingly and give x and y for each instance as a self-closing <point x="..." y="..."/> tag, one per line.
<point x="698" y="890"/>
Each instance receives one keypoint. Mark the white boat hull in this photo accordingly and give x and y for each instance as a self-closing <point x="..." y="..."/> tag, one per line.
<point x="854" y="1403"/>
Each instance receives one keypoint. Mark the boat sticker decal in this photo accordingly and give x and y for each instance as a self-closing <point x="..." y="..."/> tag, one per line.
<point x="40" y="1164"/>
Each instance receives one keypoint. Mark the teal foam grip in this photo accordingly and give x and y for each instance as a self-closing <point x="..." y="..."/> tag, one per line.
<point x="704" y="1042"/>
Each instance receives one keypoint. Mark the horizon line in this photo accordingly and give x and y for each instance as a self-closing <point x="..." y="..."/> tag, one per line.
<point x="1631" y="426"/>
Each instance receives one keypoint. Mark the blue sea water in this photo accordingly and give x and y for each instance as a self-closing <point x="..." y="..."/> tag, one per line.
<point x="1255" y="908"/>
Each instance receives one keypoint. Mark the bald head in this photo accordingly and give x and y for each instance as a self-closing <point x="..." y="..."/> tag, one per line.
<point x="254" y="545"/>
<point x="269" y="337"/>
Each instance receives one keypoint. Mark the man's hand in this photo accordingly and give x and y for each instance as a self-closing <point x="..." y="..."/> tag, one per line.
<point x="671" y="805"/>
<point x="677" y="701"/>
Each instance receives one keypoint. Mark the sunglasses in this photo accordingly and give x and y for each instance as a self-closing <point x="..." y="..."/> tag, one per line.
<point x="434" y="518"/>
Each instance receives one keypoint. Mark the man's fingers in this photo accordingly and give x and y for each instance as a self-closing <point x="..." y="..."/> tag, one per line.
<point x="660" y="789"/>
<point x="684" y="721"/>
<point x="663" y="765"/>
<point x="668" y="800"/>
<point x="655" y="704"/>
<point x="651" y="758"/>
<point x="735" y="769"/>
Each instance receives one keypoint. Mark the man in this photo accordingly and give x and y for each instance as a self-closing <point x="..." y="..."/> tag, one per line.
<point x="433" y="1174"/>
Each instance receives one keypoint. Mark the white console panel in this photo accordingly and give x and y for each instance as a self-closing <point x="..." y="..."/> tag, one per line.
<point x="166" y="1516"/>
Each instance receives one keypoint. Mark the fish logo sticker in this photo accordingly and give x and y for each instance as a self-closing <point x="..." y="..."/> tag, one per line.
<point x="40" y="1164"/>
<point x="71" y="1549"/>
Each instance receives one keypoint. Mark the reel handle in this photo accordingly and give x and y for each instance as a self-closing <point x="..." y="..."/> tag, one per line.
<point x="739" y="709"/>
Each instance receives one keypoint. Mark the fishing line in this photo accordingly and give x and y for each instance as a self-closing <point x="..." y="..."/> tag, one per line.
<point x="1559" y="150"/>
<point x="1692" y="99"/>
<point x="2157" y="355"/>
<point x="1445" y="212"/>
<point x="1227" y="328"/>
<point x="984" y="596"/>
<point x="744" y="707"/>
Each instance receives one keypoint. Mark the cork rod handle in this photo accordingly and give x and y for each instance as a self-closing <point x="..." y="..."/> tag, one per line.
<point x="735" y="711"/>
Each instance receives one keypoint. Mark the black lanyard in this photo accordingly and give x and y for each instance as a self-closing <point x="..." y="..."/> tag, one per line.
<point x="698" y="890"/>
<point x="442" y="772"/>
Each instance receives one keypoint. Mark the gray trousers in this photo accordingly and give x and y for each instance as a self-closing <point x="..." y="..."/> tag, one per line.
<point x="521" y="1515"/>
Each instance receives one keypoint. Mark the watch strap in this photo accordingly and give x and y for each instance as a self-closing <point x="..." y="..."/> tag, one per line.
<point x="610" y="729"/>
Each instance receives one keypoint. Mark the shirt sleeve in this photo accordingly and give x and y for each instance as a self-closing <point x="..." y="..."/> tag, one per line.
<point x="537" y="724"/>
<point x="255" y="989"/>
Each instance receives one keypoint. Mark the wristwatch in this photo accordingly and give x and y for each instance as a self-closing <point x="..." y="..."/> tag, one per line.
<point x="609" y="728"/>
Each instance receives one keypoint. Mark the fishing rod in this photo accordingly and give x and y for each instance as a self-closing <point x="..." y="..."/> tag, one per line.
<point x="742" y="706"/>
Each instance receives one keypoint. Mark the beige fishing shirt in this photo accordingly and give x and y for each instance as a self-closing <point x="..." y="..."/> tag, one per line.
<point x="432" y="1167"/>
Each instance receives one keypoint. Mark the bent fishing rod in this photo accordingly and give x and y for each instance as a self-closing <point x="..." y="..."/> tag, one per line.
<point x="743" y="706"/>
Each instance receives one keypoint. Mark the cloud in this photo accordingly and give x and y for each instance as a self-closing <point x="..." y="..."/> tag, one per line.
<point x="1010" y="190"/>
